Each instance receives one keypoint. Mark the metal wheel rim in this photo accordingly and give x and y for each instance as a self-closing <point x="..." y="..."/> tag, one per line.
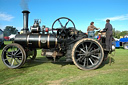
<point x="61" y="24"/>
<point x="88" y="62"/>
<point x="13" y="58"/>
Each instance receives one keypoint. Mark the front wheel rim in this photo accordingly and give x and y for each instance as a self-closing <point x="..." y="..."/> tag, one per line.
<point x="13" y="56"/>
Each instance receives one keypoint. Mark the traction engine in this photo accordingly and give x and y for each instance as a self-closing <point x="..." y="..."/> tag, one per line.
<point x="62" y="40"/>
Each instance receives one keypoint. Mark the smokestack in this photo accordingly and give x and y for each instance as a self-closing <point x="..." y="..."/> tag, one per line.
<point x="25" y="21"/>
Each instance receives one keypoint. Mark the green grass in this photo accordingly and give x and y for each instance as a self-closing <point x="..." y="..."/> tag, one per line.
<point x="43" y="72"/>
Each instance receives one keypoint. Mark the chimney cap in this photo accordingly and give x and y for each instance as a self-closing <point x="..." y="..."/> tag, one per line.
<point x="25" y="11"/>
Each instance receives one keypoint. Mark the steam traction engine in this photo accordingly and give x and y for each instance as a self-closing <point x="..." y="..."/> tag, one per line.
<point x="65" y="41"/>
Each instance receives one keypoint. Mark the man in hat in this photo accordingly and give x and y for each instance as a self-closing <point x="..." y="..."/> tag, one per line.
<point x="108" y="29"/>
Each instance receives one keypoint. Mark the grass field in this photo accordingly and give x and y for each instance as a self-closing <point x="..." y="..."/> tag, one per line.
<point x="44" y="72"/>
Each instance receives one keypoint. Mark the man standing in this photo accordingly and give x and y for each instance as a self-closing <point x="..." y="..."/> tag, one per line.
<point x="108" y="29"/>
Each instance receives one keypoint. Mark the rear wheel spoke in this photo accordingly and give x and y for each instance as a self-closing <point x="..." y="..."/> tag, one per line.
<point x="95" y="57"/>
<point x="90" y="46"/>
<point x="91" y="61"/>
<point x="95" y="50"/>
<point x="82" y="59"/>
<point x="83" y="50"/>
<point x="84" y="62"/>
<point x="86" y="48"/>
<point x="87" y="61"/>
<point x="81" y="54"/>
<point x="83" y="45"/>
<point x="90" y="49"/>
<point x="79" y="59"/>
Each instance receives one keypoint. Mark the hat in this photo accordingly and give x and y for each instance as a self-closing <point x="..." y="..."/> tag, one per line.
<point x="108" y="20"/>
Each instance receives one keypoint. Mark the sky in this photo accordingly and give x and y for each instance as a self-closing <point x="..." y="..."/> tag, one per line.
<point x="81" y="12"/>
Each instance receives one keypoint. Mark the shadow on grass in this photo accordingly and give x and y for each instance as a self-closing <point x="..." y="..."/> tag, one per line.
<point x="62" y="62"/>
<point x="108" y="61"/>
<point x="42" y="60"/>
<point x="32" y="63"/>
<point x="119" y="48"/>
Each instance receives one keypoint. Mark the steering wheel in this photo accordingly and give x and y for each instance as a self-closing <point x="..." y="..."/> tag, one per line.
<point x="63" y="32"/>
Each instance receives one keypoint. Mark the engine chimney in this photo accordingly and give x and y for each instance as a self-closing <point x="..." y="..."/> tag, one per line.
<point x="25" y="21"/>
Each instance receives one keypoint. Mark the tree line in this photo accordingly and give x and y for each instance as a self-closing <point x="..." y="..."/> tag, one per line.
<point x="117" y="33"/>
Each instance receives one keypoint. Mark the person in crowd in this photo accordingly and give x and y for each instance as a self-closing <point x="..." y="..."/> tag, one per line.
<point x="99" y="36"/>
<point x="90" y="30"/>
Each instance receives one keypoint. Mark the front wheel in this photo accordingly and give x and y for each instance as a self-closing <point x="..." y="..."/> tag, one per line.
<point x="87" y="54"/>
<point x="13" y="55"/>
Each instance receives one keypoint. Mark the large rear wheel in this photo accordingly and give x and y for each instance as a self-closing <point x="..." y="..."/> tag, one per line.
<point x="13" y="55"/>
<point x="87" y="54"/>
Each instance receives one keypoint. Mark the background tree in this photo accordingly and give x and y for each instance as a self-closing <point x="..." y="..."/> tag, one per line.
<point x="10" y="30"/>
<point x="123" y="33"/>
<point x="118" y="33"/>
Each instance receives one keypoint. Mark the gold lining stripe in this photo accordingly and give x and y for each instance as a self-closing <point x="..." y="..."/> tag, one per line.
<point x="27" y="40"/>
<point x="48" y="41"/>
<point x="39" y="44"/>
<point x="55" y="42"/>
